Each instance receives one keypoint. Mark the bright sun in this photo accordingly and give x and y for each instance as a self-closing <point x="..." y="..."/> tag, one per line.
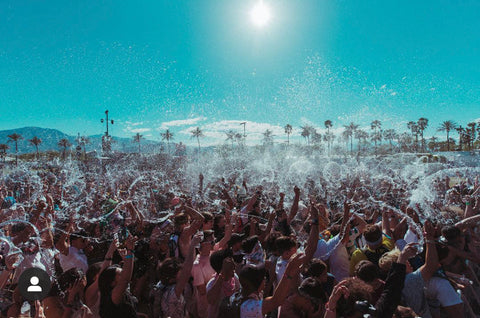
<point x="260" y="14"/>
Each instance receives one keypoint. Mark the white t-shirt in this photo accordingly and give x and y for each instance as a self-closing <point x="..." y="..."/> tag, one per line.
<point x="335" y="252"/>
<point x="75" y="258"/>
<point x="202" y="272"/>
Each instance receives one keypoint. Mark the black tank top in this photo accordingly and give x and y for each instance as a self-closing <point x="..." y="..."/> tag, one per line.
<point x="124" y="310"/>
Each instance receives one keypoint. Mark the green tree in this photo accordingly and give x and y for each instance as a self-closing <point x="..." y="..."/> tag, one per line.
<point x="414" y="129"/>
<point x="64" y="143"/>
<point x="447" y="126"/>
<point x="328" y="137"/>
<point x="197" y="133"/>
<point x="349" y="131"/>
<point x="167" y="135"/>
<point x="376" y="126"/>
<point x="422" y="124"/>
<point x="306" y="132"/>
<point x="35" y="141"/>
<point x="15" y="138"/>
<point x="268" y="138"/>
<point x="138" y="138"/>
<point x="390" y="135"/>
<point x="288" y="130"/>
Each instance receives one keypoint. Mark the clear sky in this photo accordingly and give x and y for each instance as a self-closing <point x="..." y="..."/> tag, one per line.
<point x="178" y="64"/>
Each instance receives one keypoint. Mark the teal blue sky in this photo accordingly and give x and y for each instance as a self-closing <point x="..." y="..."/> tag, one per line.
<point x="180" y="64"/>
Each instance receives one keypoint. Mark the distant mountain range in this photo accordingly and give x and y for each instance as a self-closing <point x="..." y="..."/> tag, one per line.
<point x="50" y="138"/>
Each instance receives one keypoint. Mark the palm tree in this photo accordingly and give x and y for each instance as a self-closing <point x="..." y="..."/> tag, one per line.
<point x="316" y="137"/>
<point x="238" y="138"/>
<point x="432" y="145"/>
<point x="64" y="143"/>
<point x="346" y="137"/>
<point x="461" y="131"/>
<point x="167" y="135"/>
<point x="35" y="141"/>
<point x="288" y="130"/>
<point x="15" y="138"/>
<point x="447" y="126"/>
<point x="376" y="126"/>
<point x="422" y="124"/>
<point x="306" y="131"/>
<point x="349" y="131"/>
<point x="230" y="136"/>
<point x="471" y="134"/>
<point x="84" y="141"/>
<point x="414" y="129"/>
<point x="197" y="133"/>
<point x="328" y="124"/>
<point x="138" y="138"/>
<point x="361" y="135"/>
<point x="390" y="135"/>
<point x="267" y="137"/>
<point x="3" y="149"/>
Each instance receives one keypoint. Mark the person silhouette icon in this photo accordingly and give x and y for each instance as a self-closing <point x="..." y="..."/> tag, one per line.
<point x="34" y="288"/>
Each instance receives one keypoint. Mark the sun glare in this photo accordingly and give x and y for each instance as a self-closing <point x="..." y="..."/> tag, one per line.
<point x="260" y="14"/>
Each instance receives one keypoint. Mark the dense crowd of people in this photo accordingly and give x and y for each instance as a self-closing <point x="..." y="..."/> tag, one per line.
<point x="358" y="248"/>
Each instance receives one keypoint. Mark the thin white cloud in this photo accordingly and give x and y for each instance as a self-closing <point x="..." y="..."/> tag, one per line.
<point x="181" y="122"/>
<point x="139" y="130"/>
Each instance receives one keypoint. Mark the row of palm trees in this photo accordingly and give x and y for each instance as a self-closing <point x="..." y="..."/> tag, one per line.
<point x="407" y="141"/>
<point x="36" y="142"/>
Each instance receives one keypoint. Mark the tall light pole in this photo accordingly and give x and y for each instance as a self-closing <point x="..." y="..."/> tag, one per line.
<point x="106" y="121"/>
<point x="106" y="138"/>
<point x="244" y="124"/>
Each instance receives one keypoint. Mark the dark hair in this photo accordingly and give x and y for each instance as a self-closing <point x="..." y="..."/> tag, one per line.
<point x="105" y="280"/>
<point x="92" y="271"/>
<point x="372" y="233"/>
<point x="367" y="271"/>
<point x="207" y="216"/>
<point x="312" y="288"/>
<point x="442" y="251"/>
<point x="251" y="277"/>
<point x="65" y="281"/>
<point x="451" y="232"/>
<point x="249" y="244"/>
<point x="284" y="243"/>
<point x="269" y="243"/>
<point x="216" y="259"/>
<point x="358" y="291"/>
<point x="180" y="219"/>
<point x="315" y="268"/>
<point x="169" y="269"/>
<point x="18" y="227"/>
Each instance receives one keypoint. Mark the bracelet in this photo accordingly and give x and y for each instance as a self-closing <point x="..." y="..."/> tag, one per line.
<point x="467" y="203"/>
<point x="430" y="241"/>
<point x="314" y="221"/>
<point x="129" y="256"/>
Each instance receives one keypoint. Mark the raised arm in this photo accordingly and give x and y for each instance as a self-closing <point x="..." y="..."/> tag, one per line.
<point x="186" y="270"/>
<point x="313" y="237"/>
<point x="294" y="208"/>
<point x="431" y="258"/>
<point x="127" y="271"/>
<point x="281" y="292"/>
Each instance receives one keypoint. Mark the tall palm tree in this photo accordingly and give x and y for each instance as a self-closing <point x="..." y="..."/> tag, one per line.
<point x="138" y="138"/>
<point x="447" y="126"/>
<point x="390" y="135"/>
<point x="15" y="138"/>
<point x="3" y="150"/>
<point x="64" y="143"/>
<point x="267" y="137"/>
<point x="35" y="141"/>
<point x="414" y="129"/>
<point x="288" y="130"/>
<point x="230" y="136"/>
<point x="346" y="137"/>
<point x="316" y="137"/>
<point x="432" y="145"/>
<point x="361" y="135"/>
<point x="422" y="124"/>
<point x="471" y="132"/>
<point x="167" y="135"/>
<point x="306" y="131"/>
<point x="197" y="133"/>
<point x="328" y="124"/>
<point x="84" y="141"/>
<point x="376" y="126"/>
<point x="350" y="130"/>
